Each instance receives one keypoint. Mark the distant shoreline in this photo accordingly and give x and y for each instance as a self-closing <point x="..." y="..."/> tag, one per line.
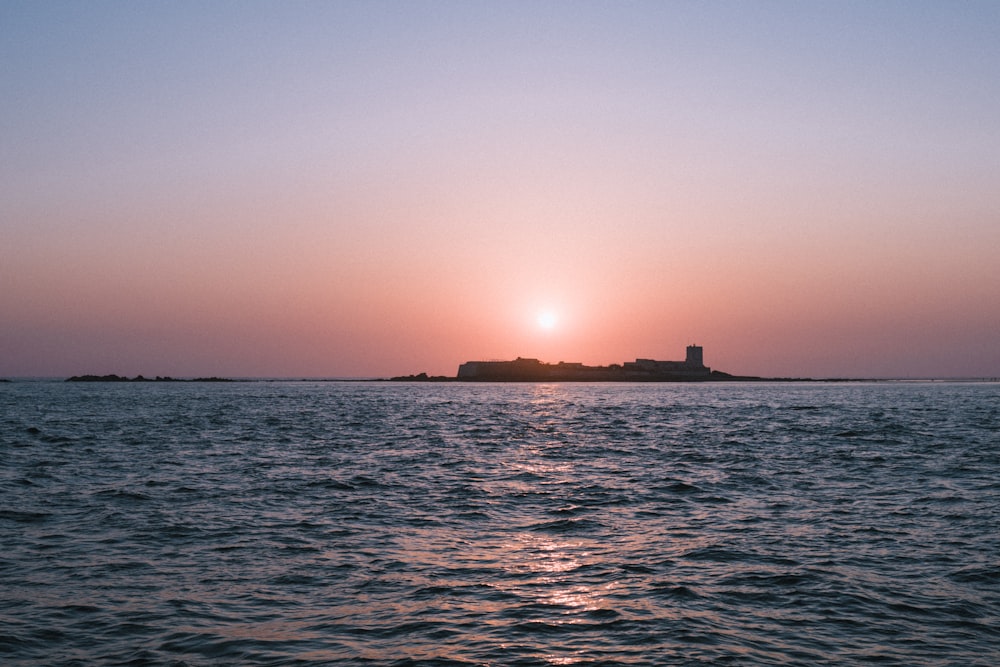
<point x="140" y="378"/>
<point x="423" y="378"/>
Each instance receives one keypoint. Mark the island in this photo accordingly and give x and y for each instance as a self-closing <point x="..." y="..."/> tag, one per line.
<point x="692" y="369"/>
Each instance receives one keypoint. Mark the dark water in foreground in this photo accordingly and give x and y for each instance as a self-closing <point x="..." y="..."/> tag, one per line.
<point x="325" y="523"/>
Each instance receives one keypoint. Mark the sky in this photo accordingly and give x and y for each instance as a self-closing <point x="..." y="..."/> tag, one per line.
<point x="367" y="189"/>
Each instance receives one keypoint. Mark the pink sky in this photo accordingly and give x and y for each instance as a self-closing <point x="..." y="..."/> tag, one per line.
<point x="346" y="190"/>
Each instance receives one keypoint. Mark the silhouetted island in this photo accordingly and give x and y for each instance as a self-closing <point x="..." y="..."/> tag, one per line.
<point x="692" y="369"/>
<point x="139" y="378"/>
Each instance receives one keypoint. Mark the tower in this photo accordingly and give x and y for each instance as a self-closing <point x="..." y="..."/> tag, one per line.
<point x="694" y="356"/>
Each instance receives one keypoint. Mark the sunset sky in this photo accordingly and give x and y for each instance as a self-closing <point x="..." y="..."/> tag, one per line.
<point x="344" y="189"/>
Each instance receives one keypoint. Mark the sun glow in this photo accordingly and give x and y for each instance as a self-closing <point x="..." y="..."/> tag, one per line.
<point x="547" y="320"/>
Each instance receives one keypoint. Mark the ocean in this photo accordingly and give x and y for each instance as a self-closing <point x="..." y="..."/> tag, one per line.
<point x="352" y="523"/>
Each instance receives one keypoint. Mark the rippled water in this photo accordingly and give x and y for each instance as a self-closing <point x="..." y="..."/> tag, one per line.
<point x="529" y="524"/>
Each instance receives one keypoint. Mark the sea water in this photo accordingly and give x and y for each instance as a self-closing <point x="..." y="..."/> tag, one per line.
<point x="325" y="523"/>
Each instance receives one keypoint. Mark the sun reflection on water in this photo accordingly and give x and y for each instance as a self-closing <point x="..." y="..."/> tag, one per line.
<point x="540" y="569"/>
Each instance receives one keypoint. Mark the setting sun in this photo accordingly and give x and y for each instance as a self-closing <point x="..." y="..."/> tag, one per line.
<point x="547" y="320"/>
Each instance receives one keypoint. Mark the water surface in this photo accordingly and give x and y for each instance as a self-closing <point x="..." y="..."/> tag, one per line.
<point x="302" y="523"/>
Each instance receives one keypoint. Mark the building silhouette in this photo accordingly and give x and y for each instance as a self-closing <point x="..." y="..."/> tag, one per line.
<point x="532" y="370"/>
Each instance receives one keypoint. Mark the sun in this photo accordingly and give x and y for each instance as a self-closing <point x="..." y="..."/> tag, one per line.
<point x="547" y="320"/>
